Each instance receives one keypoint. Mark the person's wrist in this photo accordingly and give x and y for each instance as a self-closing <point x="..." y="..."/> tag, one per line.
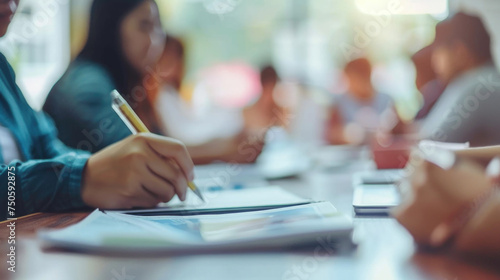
<point x="75" y="181"/>
<point x="86" y="181"/>
<point x="227" y="154"/>
<point x="221" y="149"/>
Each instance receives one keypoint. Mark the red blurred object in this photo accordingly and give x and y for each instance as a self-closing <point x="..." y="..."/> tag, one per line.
<point x="391" y="152"/>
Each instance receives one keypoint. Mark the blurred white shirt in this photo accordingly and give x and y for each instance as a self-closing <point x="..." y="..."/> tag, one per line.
<point x="8" y="146"/>
<point x="194" y="127"/>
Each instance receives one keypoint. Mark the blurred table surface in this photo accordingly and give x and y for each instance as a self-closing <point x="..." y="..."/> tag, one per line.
<point x="386" y="251"/>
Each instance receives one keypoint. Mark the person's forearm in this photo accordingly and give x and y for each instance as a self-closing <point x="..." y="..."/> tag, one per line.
<point x="42" y="185"/>
<point x="203" y="153"/>
<point x="485" y="153"/>
<point x="481" y="235"/>
<point x="335" y="135"/>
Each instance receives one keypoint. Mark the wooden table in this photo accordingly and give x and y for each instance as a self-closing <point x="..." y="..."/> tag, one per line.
<point x="385" y="251"/>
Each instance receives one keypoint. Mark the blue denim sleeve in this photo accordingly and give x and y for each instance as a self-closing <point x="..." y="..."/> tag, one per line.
<point x="49" y="182"/>
<point x="50" y="177"/>
<point x="51" y="185"/>
<point x="80" y="104"/>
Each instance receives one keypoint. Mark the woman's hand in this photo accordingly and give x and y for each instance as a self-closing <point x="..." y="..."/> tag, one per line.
<point x="242" y="148"/>
<point x="140" y="171"/>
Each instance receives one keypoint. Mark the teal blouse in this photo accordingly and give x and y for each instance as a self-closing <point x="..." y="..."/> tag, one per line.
<point x="48" y="177"/>
<point x="80" y="105"/>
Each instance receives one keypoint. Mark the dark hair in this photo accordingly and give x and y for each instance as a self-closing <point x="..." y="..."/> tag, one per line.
<point x="468" y="30"/>
<point x="268" y="75"/>
<point x="174" y="45"/>
<point x="360" y="66"/>
<point x="104" y="45"/>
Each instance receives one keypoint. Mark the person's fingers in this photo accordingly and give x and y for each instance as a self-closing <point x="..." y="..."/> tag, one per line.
<point x="177" y="178"/>
<point x="175" y="150"/>
<point x="144" y="199"/>
<point x="161" y="188"/>
<point x="167" y="170"/>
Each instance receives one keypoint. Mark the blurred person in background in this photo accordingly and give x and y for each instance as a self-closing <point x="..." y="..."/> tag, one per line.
<point x="46" y="176"/>
<point x="457" y="208"/>
<point x="178" y="117"/>
<point x="426" y="81"/>
<point x="125" y="44"/>
<point x="266" y="112"/>
<point x="467" y="109"/>
<point x="464" y="111"/>
<point x="125" y="38"/>
<point x="358" y="112"/>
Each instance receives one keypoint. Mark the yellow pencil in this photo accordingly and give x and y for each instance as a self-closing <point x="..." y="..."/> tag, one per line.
<point x="134" y="123"/>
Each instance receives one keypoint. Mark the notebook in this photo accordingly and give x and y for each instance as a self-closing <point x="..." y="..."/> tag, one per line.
<point x="225" y="201"/>
<point x="289" y="227"/>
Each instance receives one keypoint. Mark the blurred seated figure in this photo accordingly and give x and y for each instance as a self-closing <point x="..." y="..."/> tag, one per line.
<point x="467" y="109"/>
<point x="124" y="40"/>
<point x="356" y="113"/>
<point x="176" y="114"/>
<point x="124" y="43"/>
<point x="429" y="86"/>
<point x="427" y="83"/>
<point x="265" y="112"/>
<point x="181" y="117"/>
<point x="456" y="209"/>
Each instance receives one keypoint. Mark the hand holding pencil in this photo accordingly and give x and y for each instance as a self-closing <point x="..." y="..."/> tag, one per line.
<point x="139" y="171"/>
<point x="134" y="173"/>
<point x="134" y="123"/>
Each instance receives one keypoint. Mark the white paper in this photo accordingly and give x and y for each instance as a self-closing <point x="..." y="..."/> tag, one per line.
<point x="277" y="228"/>
<point x="228" y="199"/>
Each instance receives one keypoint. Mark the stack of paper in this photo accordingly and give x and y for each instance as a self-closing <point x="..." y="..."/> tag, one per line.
<point x="280" y="227"/>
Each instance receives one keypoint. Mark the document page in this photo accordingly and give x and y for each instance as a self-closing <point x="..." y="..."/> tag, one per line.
<point x="270" y="228"/>
<point x="255" y="197"/>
